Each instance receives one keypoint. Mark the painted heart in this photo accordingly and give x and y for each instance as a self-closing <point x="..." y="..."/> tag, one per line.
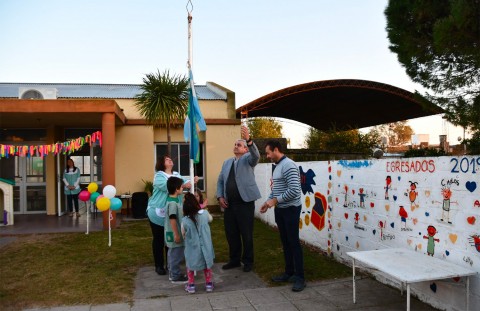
<point x="339" y="224"/>
<point x="399" y="178"/>
<point x="447" y="253"/>
<point x="328" y="192"/>
<point x="392" y="225"/>
<point x="329" y="177"/>
<point x="339" y="173"/>
<point x="346" y="215"/>
<point x="365" y="218"/>
<point x="357" y="245"/>
<point x="329" y="199"/>
<point x="329" y="185"/>
<point x="336" y="199"/>
<point x="415" y="220"/>
<point x="419" y="246"/>
<point x="453" y="237"/>
<point x="338" y="247"/>
<point x="409" y="242"/>
<point x="372" y="205"/>
<point x="346" y="237"/>
<point x="353" y="191"/>
<point x="471" y="186"/>
<point x="330" y="227"/>
<point x="433" y="287"/>
<point x="427" y="193"/>
<point x="427" y="214"/>
<point x="395" y="198"/>
<point x="374" y="231"/>
<point x="387" y="207"/>
<point x="471" y="220"/>
<point x="351" y="176"/>
<point x="329" y="169"/>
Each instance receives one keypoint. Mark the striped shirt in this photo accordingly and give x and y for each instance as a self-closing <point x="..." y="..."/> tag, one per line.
<point x="286" y="183"/>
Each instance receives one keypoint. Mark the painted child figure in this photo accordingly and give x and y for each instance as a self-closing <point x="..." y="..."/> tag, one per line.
<point x="173" y="236"/>
<point x="199" y="252"/>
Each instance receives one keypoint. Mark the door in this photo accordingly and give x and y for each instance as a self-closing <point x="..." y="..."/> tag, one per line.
<point x="29" y="192"/>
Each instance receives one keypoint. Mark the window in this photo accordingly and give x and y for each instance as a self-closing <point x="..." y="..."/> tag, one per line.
<point x="181" y="161"/>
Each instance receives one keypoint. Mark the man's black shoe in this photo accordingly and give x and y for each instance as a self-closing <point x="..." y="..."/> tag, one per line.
<point x="247" y="268"/>
<point x="282" y="278"/>
<point x="299" y="285"/>
<point x="230" y="265"/>
<point x="160" y="271"/>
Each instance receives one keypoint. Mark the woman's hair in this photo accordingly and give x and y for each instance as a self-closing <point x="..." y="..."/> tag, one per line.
<point x="74" y="167"/>
<point x="191" y="207"/>
<point x="160" y="165"/>
<point x="200" y="195"/>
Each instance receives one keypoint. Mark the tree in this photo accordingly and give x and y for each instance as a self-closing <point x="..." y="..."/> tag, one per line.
<point x="398" y="133"/>
<point x="264" y="127"/>
<point x="164" y="100"/>
<point x="344" y="141"/>
<point x="438" y="43"/>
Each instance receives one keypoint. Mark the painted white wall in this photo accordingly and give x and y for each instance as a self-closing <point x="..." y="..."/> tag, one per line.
<point x="339" y="182"/>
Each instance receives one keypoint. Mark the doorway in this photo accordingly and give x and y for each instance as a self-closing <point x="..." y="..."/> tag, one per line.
<point x="29" y="191"/>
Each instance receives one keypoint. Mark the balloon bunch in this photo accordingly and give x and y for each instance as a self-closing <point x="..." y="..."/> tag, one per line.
<point x="104" y="201"/>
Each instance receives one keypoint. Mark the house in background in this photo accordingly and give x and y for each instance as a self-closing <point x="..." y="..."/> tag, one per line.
<point x="34" y="114"/>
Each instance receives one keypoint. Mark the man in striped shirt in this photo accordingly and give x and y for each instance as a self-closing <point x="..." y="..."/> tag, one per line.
<point x="286" y="197"/>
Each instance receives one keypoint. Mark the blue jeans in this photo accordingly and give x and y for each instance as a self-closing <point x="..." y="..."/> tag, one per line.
<point x="175" y="257"/>
<point x="287" y="219"/>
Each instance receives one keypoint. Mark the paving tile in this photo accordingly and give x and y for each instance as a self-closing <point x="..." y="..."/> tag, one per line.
<point x="233" y="300"/>
<point x="264" y="296"/>
<point x="151" y="305"/>
<point x="191" y="302"/>
<point x="112" y="307"/>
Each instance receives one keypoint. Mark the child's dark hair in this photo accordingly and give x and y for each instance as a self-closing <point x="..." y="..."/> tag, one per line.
<point x="173" y="184"/>
<point x="191" y="207"/>
<point x="200" y="195"/>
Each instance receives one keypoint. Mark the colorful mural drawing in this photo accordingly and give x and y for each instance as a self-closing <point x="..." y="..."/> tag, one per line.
<point x="431" y="230"/>
<point x="412" y="194"/>
<point x="306" y="180"/>
<point x="435" y="211"/>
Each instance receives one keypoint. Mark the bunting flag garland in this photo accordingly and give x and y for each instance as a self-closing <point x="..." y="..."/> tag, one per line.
<point x="67" y="147"/>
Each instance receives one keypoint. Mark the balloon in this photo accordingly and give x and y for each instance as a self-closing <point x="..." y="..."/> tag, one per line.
<point x="115" y="204"/>
<point x="103" y="204"/>
<point x="84" y="195"/>
<point x="92" y="187"/>
<point x="109" y="191"/>
<point x="99" y="197"/>
<point x="94" y="196"/>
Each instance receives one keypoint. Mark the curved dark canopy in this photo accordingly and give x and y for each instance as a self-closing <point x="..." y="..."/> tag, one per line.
<point x="340" y="104"/>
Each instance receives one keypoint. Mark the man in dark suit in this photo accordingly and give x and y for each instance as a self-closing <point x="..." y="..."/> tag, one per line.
<point x="236" y="194"/>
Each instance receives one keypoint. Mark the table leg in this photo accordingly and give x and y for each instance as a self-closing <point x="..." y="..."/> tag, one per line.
<point x="468" y="293"/>
<point x="408" y="297"/>
<point x="354" y="290"/>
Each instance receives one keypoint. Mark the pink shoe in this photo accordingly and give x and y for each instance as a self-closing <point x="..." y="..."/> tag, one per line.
<point x="209" y="287"/>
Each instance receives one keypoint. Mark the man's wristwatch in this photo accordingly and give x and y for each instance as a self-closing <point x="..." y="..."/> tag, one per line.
<point x="249" y="141"/>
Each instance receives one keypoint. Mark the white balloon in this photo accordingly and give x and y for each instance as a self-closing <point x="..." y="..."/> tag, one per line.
<point x="109" y="191"/>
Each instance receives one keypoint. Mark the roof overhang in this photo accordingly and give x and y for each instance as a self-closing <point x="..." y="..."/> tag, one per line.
<point x="31" y="113"/>
<point x="341" y="104"/>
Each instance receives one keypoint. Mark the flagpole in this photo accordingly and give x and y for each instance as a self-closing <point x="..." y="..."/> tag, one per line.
<point x="190" y="62"/>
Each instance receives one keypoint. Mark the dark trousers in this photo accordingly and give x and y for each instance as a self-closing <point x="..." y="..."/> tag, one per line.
<point x="287" y="220"/>
<point x="72" y="199"/>
<point x="158" y="246"/>
<point x="238" y="221"/>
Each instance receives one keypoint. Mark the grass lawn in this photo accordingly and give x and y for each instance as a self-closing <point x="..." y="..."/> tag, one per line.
<point x="47" y="270"/>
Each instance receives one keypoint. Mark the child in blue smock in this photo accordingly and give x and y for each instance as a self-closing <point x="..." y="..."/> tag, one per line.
<point x="198" y="244"/>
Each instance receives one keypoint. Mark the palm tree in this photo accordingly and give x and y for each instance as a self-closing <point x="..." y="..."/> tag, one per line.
<point x="164" y="100"/>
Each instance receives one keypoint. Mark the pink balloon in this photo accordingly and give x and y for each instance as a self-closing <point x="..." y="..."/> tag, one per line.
<point x="84" y="195"/>
<point x="98" y="198"/>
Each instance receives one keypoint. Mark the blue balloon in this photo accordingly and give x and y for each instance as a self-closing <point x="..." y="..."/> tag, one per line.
<point x="115" y="204"/>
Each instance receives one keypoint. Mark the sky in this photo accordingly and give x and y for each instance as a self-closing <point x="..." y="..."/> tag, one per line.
<point x="252" y="47"/>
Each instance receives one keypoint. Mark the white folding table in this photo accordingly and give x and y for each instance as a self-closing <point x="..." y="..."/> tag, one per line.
<point x="410" y="267"/>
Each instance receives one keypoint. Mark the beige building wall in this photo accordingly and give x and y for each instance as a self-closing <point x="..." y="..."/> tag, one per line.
<point x="134" y="157"/>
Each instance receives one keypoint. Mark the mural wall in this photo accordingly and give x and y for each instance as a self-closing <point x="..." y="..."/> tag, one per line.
<point x="428" y="205"/>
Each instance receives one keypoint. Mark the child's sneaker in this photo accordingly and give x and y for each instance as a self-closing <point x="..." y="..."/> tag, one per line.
<point x="190" y="288"/>
<point x="209" y="287"/>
